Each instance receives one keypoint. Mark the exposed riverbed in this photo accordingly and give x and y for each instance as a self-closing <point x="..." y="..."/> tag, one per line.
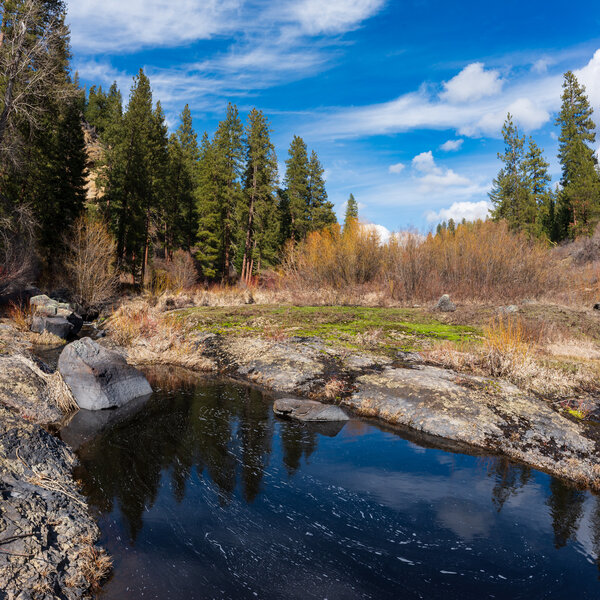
<point x="202" y="493"/>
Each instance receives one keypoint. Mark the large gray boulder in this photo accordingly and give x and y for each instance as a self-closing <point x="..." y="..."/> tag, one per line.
<point x="100" y="378"/>
<point x="308" y="410"/>
<point x="55" y="317"/>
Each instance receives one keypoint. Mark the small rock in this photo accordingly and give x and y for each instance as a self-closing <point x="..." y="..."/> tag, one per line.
<point x="308" y="410"/>
<point x="508" y="310"/>
<point x="100" y="378"/>
<point x="445" y="304"/>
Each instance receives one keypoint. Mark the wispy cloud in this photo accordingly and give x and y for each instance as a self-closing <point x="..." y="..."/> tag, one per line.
<point x="261" y="44"/>
<point x="452" y="145"/>
<point x="462" y="105"/>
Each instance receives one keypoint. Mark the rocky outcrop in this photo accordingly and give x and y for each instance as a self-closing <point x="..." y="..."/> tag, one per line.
<point x="308" y="410"/>
<point x="100" y="378"/>
<point x="486" y="413"/>
<point x="28" y="391"/>
<point x="47" y="536"/>
<point x="54" y="317"/>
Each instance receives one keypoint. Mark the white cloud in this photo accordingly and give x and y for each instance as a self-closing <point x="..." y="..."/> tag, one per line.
<point x="471" y="211"/>
<point x="334" y="16"/>
<point x="383" y="232"/>
<point x="425" y="163"/>
<point x="451" y="145"/>
<point x="531" y="99"/>
<point x="120" y="25"/>
<point x="472" y="83"/>
<point x="590" y="77"/>
<point x="397" y="168"/>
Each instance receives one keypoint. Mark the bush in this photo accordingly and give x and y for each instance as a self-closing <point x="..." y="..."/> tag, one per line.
<point x="176" y="274"/>
<point x="478" y="261"/>
<point x="336" y="258"/>
<point x="90" y="262"/>
<point x="17" y="257"/>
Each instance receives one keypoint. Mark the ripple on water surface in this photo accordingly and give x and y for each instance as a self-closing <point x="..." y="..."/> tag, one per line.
<point x="202" y="493"/>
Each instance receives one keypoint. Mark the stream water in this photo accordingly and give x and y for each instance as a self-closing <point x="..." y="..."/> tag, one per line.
<point x="201" y="493"/>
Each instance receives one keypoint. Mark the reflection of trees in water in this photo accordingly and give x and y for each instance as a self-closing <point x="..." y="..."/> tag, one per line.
<point x="566" y="509"/>
<point x="222" y="427"/>
<point x="510" y="478"/>
<point x="296" y="441"/>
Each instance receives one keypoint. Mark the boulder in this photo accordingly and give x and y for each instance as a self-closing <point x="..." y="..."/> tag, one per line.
<point x="308" y="410"/>
<point x="55" y="317"/>
<point x="445" y="304"/>
<point x="100" y="378"/>
<point x="58" y="326"/>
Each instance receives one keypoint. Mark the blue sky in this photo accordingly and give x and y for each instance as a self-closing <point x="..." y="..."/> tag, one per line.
<point x="402" y="100"/>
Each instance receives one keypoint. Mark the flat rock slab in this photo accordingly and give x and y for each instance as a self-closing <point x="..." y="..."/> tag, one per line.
<point x="99" y="378"/>
<point x="308" y="410"/>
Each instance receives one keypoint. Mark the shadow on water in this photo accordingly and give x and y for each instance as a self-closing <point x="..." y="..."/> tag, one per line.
<point x="201" y="493"/>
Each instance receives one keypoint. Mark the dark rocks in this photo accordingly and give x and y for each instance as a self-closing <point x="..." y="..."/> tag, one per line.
<point x="597" y="306"/>
<point x="99" y="378"/>
<point x="445" y="304"/>
<point x="54" y="317"/>
<point x="308" y="410"/>
<point x="58" y="326"/>
<point x="46" y="529"/>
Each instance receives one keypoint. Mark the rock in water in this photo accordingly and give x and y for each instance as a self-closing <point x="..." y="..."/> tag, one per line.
<point x="308" y="410"/>
<point x="100" y="378"/>
<point x="445" y="304"/>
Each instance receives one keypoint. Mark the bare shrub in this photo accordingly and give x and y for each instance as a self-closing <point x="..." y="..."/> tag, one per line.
<point x="20" y="315"/>
<point x="17" y="240"/>
<point x="477" y="261"/>
<point x="177" y="274"/>
<point x="90" y="263"/>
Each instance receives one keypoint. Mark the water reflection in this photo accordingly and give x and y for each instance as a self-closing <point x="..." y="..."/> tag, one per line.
<point x="202" y="493"/>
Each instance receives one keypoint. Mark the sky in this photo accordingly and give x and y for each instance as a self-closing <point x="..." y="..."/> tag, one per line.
<point x="403" y="100"/>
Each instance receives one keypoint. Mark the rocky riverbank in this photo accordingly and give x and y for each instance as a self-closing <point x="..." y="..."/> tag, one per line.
<point x="47" y="536"/>
<point x="487" y="413"/>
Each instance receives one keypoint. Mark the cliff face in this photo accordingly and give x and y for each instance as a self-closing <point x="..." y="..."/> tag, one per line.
<point x="95" y="153"/>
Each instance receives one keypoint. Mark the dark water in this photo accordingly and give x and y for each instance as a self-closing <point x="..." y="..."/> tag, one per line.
<point x="201" y="493"/>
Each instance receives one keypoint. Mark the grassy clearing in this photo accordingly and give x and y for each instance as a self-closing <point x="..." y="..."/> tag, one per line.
<point x="386" y="329"/>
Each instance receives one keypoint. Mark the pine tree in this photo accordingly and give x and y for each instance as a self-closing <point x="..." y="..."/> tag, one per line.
<point x="210" y="233"/>
<point x="541" y="197"/>
<point x="296" y="182"/>
<point x="510" y="191"/>
<point x="258" y="215"/>
<point x="351" y="211"/>
<point x="229" y="151"/>
<point x="320" y="209"/>
<point x="579" y="199"/>
<point x="137" y="162"/>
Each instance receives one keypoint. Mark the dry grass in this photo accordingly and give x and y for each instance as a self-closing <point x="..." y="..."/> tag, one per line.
<point x="152" y="337"/>
<point x="45" y="339"/>
<point x="95" y="565"/>
<point x="20" y="315"/>
<point x="334" y="388"/>
<point x="510" y="351"/>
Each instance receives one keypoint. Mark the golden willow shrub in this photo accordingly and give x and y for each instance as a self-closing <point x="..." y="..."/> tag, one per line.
<point x="336" y="257"/>
<point x="479" y="261"/>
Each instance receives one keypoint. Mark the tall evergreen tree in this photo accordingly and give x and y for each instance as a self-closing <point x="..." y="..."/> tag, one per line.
<point x="209" y="210"/>
<point x="296" y="182"/>
<point x="579" y="199"/>
<point x="540" y="194"/>
<point x="137" y="169"/>
<point x="229" y="154"/>
<point x="258" y="215"/>
<point x="510" y="193"/>
<point x="351" y="212"/>
<point x="320" y="209"/>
